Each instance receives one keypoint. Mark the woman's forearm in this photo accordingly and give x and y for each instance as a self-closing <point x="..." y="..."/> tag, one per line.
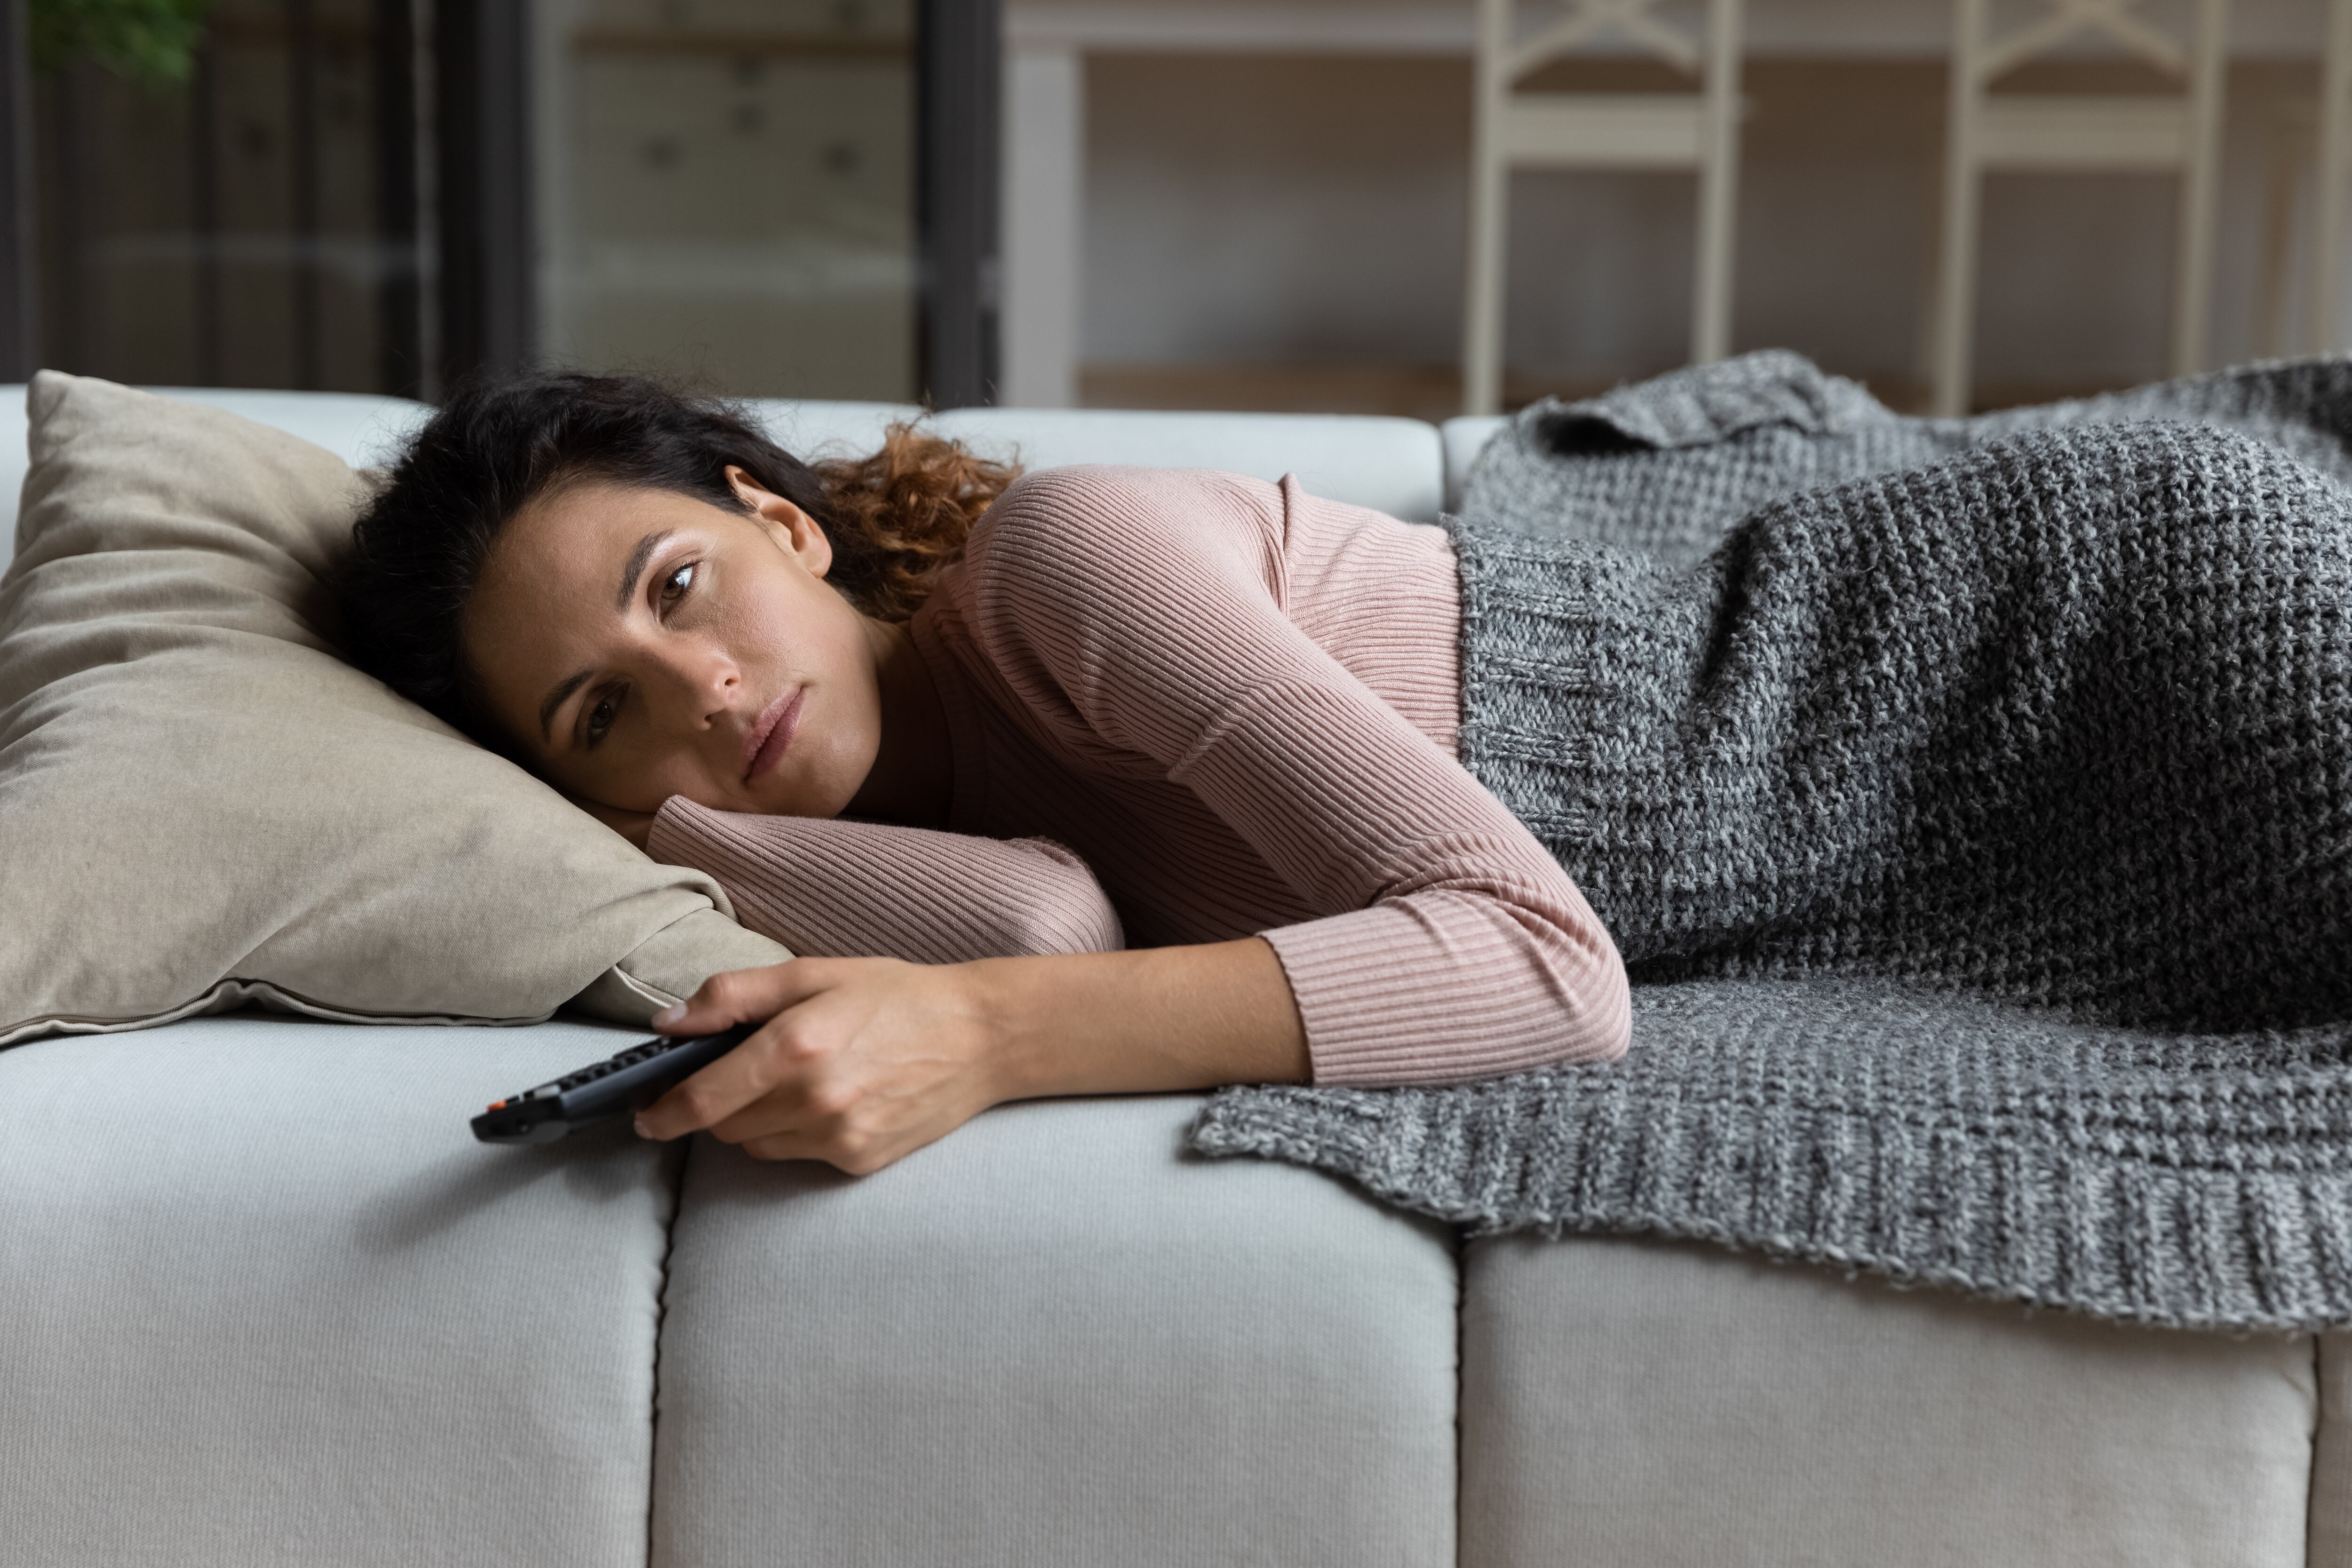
<point x="831" y="887"/>
<point x="862" y="1060"/>
<point x="1137" y="1022"/>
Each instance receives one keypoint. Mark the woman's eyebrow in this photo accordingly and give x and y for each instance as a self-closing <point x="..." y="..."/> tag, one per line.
<point x="630" y="573"/>
<point x="563" y="688"/>
<point x="637" y="566"/>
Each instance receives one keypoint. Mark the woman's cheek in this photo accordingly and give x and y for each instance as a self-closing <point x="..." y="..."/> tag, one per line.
<point x="825" y="781"/>
<point x="682" y="774"/>
<point x="841" y="747"/>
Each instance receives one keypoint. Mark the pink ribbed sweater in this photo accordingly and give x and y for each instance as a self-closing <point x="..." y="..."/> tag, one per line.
<point x="1237" y="704"/>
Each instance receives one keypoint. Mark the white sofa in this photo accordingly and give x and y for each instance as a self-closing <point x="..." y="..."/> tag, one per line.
<point x="264" y="1301"/>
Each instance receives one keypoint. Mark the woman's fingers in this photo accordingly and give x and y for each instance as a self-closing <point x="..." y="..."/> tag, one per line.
<point x="775" y="1099"/>
<point x="797" y="1100"/>
<point x="859" y="1061"/>
<point x="742" y="996"/>
<point x="855" y="1158"/>
<point x="776" y="1061"/>
<point x="784" y="1146"/>
<point x="847" y="1148"/>
<point x="744" y="1075"/>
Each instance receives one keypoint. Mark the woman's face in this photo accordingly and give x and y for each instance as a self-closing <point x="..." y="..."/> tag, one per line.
<point x="639" y="644"/>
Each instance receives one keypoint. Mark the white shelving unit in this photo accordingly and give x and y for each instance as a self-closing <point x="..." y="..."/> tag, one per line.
<point x="1047" y="43"/>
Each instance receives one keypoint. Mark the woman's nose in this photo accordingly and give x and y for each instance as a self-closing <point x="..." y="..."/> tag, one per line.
<point x="702" y="686"/>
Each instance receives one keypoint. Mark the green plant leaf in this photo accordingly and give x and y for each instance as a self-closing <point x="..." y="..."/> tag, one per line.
<point x="149" y="41"/>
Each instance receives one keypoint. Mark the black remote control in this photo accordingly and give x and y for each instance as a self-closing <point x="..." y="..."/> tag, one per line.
<point x="604" y="1092"/>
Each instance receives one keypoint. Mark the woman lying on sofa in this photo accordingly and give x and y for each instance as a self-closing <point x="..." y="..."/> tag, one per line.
<point x="1237" y="705"/>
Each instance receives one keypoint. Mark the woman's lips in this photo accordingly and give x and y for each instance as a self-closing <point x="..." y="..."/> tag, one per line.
<point x="771" y="733"/>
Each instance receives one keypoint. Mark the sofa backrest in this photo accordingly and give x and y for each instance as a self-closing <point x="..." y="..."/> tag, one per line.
<point x="1465" y="437"/>
<point x="1396" y="465"/>
<point x="360" y="428"/>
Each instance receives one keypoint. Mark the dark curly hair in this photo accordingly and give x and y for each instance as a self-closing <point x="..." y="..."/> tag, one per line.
<point x="894" y="518"/>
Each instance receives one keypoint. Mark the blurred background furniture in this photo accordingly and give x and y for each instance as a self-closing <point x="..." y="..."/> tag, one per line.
<point x="2301" y="293"/>
<point x="1255" y="203"/>
<point x="394" y="195"/>
<point x="2324" y="327"/>
<point x="1515" y="126"/>
<point x="1988" y="131"/>
<point x="1253" y="199"/>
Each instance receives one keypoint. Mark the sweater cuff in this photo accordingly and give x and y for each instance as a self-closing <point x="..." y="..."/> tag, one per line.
<point x="1387" y="1002"/>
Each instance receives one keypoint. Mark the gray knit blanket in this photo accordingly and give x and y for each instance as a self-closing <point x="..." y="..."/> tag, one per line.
<point x="1972" y="804"/>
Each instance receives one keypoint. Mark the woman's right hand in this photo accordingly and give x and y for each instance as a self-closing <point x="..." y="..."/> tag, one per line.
<point x="863" y="1061"/>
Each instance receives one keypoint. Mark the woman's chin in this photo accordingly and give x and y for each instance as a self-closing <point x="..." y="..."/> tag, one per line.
<point x="798" y="796"/>
<point x="820" y="780"/>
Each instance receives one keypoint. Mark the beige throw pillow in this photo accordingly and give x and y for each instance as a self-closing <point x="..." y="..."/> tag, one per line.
<point x="200" y="803"/>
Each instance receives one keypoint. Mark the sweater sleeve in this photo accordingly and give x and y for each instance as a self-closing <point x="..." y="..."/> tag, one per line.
<point x="1136" y="613"/>
<point x="831" y="889"/>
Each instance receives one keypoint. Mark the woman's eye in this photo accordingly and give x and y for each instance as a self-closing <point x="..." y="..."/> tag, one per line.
<point x="601" y="717"/>
<point x="675" y="585"/>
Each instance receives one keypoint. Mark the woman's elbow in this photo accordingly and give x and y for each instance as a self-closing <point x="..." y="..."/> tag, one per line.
<point x="1609" y="1012"/>
<point x="1067" y="911"/>
<point x="1091" y="927"/>
<point x="1597" y="1023"/>
<point x="1613" y="1033"/>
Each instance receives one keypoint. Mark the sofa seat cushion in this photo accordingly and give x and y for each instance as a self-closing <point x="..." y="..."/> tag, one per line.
<point x="1630" y="1401"/>
<point x="264" y="1300"/>
<point x="1053" y="1339"/>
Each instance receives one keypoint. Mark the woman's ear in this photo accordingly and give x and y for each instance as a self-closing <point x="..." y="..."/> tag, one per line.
<point x="794" y="531"/>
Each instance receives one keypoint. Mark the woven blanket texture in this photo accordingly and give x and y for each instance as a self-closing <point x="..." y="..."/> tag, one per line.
<point x="1972" y="804"/>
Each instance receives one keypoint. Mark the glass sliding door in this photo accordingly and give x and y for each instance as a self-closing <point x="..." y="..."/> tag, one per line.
<point x="242" y="212"/>
<point x="727" y="190"/>
<point x="759" y="197"/>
